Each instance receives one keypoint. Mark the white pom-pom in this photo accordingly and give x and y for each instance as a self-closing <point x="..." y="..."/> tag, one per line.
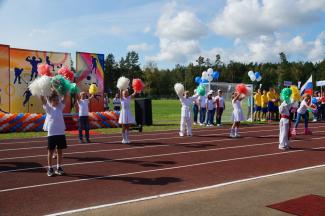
<point x="179" y="88"/>
<point x="123" y="83"/>
<point x="41" y="86"/>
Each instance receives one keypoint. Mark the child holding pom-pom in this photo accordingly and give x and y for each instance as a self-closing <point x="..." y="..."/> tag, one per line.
<point x="55" y="126"/>
<point x="83" y="105"/>
<point x="237" y="114"/>
<point x="126" y="118"/>
<point x="186" y="121"/>
<point x="303" y="112"/>
<point x="284" y="125"/>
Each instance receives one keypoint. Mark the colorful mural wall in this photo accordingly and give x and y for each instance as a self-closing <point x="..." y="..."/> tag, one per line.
<point x="23" y="69"/>
<point x="90" y="70"/>
<point x="4" y="80"/>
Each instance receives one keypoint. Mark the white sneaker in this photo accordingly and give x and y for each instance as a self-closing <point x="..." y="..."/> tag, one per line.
<point x="315" y="120"/>
<point x="124" y="141"/>
<point x="194" y="123"/>
<point x="232" y="135"/>
<point x="201" y="124"/>
<point x="282" y="148"/>
<point x="237" y="135"/>
<point x="181" y="134"/>
<point x="127" y="141"/>
<point x="218" y="125"/>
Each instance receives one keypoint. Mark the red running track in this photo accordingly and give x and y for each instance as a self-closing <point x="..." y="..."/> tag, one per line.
<point x="107" y="172"/>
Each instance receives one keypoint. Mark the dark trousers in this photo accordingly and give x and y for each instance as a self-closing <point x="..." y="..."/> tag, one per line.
<point x="322" y="108"/>
<point x="210" y="117"/>
<point x="195" y="112"/>
<point x="219" y="114"/>
<point x="202" y="115"/>
<point x="84" y="125"/>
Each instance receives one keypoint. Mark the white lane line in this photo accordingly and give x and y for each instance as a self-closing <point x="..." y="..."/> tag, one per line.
<point x="155" y="170"/>
<point x="186" y="191"/>
<point x="144" y="134"/>
<point x="152" y="139"/>
<point x="158" y="155"/>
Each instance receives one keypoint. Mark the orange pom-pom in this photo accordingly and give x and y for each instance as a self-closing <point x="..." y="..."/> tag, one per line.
<point x="242" y="89"/>
<point x="66" y="73"/>
<point x="137" y="85"/>
<point x="44" y="70"/>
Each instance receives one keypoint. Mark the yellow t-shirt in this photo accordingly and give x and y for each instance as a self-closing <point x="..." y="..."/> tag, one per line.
<point x="258" y="99"/>
<point x="277" y="98"/>
<point x="264" y="100"/>
<point x="270" y="96"/>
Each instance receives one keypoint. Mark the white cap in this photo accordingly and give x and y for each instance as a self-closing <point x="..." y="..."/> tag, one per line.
<point x="210" y="92"/>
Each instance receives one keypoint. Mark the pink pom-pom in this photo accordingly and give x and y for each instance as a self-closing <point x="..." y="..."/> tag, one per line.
<point x="66" y="73"/>
<point x="242" y="89"/>
<point x="137" y="85"/>
<point x="44" y="70"/>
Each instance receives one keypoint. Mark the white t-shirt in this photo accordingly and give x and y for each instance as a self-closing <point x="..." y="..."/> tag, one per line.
<point x="202" y="100"/>
<point x="186" y="103"/>
<point x="83" y="107"/>
<point x="54" y="122"/>
<point x="117" y="102"/>
<point x="210" y="104"/>
<point x="303" y="107"/>
<point x="220" y="102"/>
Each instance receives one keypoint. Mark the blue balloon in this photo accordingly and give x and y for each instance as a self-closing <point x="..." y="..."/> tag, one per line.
<point x="215" y="75"/>
<point x="198" y="80"/>
<point x="257" y="74"/>
<point x="204" y="81"/>
<point x="314" y="100"/>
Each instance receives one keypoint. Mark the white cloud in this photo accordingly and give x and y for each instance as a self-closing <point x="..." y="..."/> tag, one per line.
<point x="147" y="29"/>
<point x="139" y="47"/>
<point x="37" y="32"/>
<point x="68" y="44"/>
<point x="256" y="17"/>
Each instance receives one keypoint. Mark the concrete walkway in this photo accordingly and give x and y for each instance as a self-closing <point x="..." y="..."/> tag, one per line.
<point x="248" y="198"/>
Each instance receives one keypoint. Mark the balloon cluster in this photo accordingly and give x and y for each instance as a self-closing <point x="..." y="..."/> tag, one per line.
<point x="207" y="76"/>
<point x="255" y="76"/>
<point x="43" y="85"/>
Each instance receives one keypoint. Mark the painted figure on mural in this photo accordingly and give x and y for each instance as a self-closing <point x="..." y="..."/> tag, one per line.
<point x="27" y="95"/>
<point x="34" y="62"/>
<point x="94" y="65"/>
<point x="18" y="72"/>
<point x="48" y="61"/>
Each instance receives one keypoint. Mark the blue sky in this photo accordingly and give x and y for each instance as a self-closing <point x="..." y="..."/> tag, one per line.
<point x="169" y="32"/>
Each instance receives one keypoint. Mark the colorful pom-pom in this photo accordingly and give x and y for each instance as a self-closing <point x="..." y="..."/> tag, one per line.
<point x="74" y="88"/>
<point x="295" y="96"/>
<point x="41" y="86"/>
<point x="137" y="85"/>
<point x="93" y="89"/>
<point x="200" y="90"/>
<point x="44" y="70"/>
<point x="66" y="73"/>
<point x="242" y="89"/>
<point x="61" y="85"/>
<point x="123" y="83"/>
<point x="179" y="88"/>
<point x="286" y="95"/>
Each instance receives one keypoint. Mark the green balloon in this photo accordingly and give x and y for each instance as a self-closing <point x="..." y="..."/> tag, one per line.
<point x="201" y="90"/>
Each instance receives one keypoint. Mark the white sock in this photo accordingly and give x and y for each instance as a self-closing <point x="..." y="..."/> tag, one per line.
<point x="231" y="131"/>
<point x="236" y="130"/>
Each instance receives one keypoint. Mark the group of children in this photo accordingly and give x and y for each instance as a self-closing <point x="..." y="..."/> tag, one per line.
<point x="55" y="126"/>
<point x="266" y="105"/>
<point x="209" y="106"/>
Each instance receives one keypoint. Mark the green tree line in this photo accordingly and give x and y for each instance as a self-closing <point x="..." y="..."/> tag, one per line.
<point x="159" y="82"/>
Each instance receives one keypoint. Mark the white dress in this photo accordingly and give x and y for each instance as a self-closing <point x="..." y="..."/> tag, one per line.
<point x="237" y="114"/>
<point x="125" y="113"/>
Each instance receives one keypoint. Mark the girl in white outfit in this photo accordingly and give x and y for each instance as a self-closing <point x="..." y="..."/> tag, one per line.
<point x="284" y="125"/>
<point x="186" y="113"/>
<point x="126" y="117"/>
<point x="237" y="114"/>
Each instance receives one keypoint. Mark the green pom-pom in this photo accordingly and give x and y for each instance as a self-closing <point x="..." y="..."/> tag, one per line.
<point x="61" y="85"/>
<point x="286" y="94"/>
<point x="74" y="88"/>
<point x="201" y="90"/>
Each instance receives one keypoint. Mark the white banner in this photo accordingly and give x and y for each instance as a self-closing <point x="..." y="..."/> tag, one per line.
<point x="320" y="83"/>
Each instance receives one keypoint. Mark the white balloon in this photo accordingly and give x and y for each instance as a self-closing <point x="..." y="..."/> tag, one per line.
<point x="204" y="75"/>
<point x="250" y="73"/>
<point x="252" y="77"/>
<point x="210" y="78"/>
<point x="210" y="71"/>
<point x="259" y="79"/>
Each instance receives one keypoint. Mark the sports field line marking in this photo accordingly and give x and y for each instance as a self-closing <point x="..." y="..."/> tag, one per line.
<point x="185" y="191"/>
<point x="159" y="155"/>
<point x="155" y="170"/>
<point x="105" y="150"/>
<point x="144" y="134"/>
<point x="114" y="142"/>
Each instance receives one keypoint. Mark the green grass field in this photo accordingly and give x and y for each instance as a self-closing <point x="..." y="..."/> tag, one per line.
<point x="166" y="116"/>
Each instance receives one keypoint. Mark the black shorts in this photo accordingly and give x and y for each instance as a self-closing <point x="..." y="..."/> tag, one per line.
<point x="57" y="141"/>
